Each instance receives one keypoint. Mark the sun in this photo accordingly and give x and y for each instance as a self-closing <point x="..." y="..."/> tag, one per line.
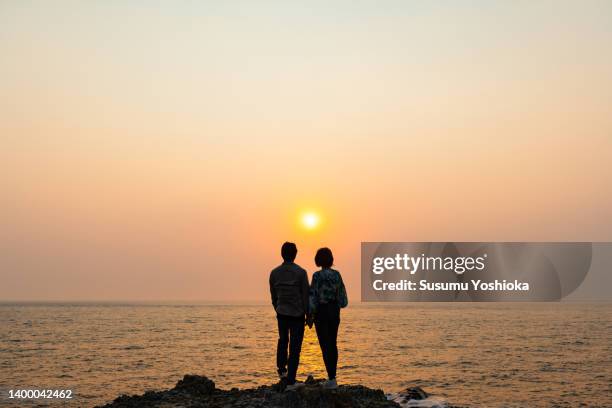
<point x="310" y="220"/>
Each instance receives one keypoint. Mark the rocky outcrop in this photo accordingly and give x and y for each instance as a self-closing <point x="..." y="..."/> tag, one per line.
<point x="197" y="391"/>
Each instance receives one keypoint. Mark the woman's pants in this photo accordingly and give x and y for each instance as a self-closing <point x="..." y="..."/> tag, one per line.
<point x="327" y="320"/>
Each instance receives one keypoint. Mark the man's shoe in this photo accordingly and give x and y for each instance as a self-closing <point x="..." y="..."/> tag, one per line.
<point x="330" y="384"/>
<point x="295" y="386"/>
<point x="282" y="375"/>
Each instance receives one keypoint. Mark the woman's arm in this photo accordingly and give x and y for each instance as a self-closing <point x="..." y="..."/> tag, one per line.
<point x="314" y="294"/>
<point x="342" y="296"/>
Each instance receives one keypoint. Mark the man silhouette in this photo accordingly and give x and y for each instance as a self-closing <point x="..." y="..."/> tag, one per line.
<point x="289" y="291"/>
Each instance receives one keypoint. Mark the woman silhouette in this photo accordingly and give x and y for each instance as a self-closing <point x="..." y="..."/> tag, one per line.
<point x="327" y="296"/>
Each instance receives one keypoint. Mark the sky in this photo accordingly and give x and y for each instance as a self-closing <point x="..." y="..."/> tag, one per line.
<point x="165" y="150"/>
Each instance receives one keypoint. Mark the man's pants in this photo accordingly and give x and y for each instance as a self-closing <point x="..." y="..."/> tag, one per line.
<point x="291" y="334"/>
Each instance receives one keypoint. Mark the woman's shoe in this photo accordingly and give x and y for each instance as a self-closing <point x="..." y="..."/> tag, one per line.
<point x="330" y="384"/>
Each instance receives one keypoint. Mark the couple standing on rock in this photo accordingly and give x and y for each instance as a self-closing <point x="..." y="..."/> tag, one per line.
<point x="298" y="304"/>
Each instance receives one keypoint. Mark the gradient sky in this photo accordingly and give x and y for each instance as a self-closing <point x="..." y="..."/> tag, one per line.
<point x="165" y="150"/>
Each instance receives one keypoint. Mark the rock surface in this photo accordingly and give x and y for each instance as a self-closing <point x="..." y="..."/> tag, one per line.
<point x="197" y="391"/>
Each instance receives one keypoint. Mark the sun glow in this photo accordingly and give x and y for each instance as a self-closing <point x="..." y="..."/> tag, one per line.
<point x="310" y="220"/>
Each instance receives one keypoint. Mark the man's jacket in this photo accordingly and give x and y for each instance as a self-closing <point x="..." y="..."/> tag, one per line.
<point x="289" y="290"/>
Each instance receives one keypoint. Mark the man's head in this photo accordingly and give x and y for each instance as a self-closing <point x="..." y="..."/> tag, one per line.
<point x="288" y="251"/>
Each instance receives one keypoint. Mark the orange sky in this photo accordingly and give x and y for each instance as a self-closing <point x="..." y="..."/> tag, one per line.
<point x="165" y="153"/>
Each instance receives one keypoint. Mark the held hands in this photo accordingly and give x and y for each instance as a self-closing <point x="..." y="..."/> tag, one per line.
<point x="309" y="320"/>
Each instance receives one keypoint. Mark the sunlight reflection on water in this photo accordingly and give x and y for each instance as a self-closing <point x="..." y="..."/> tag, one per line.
<point x="472" y="354"/>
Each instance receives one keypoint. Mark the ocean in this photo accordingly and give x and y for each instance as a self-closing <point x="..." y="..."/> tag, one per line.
<point x="471" y="354"/>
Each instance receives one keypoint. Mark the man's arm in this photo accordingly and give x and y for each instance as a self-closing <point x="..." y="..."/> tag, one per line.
<point x="272" y="292"/>
<point x="305" y="291"/>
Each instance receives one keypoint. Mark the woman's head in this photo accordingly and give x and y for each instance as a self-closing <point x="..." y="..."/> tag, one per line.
<point x="324" y="258"/>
